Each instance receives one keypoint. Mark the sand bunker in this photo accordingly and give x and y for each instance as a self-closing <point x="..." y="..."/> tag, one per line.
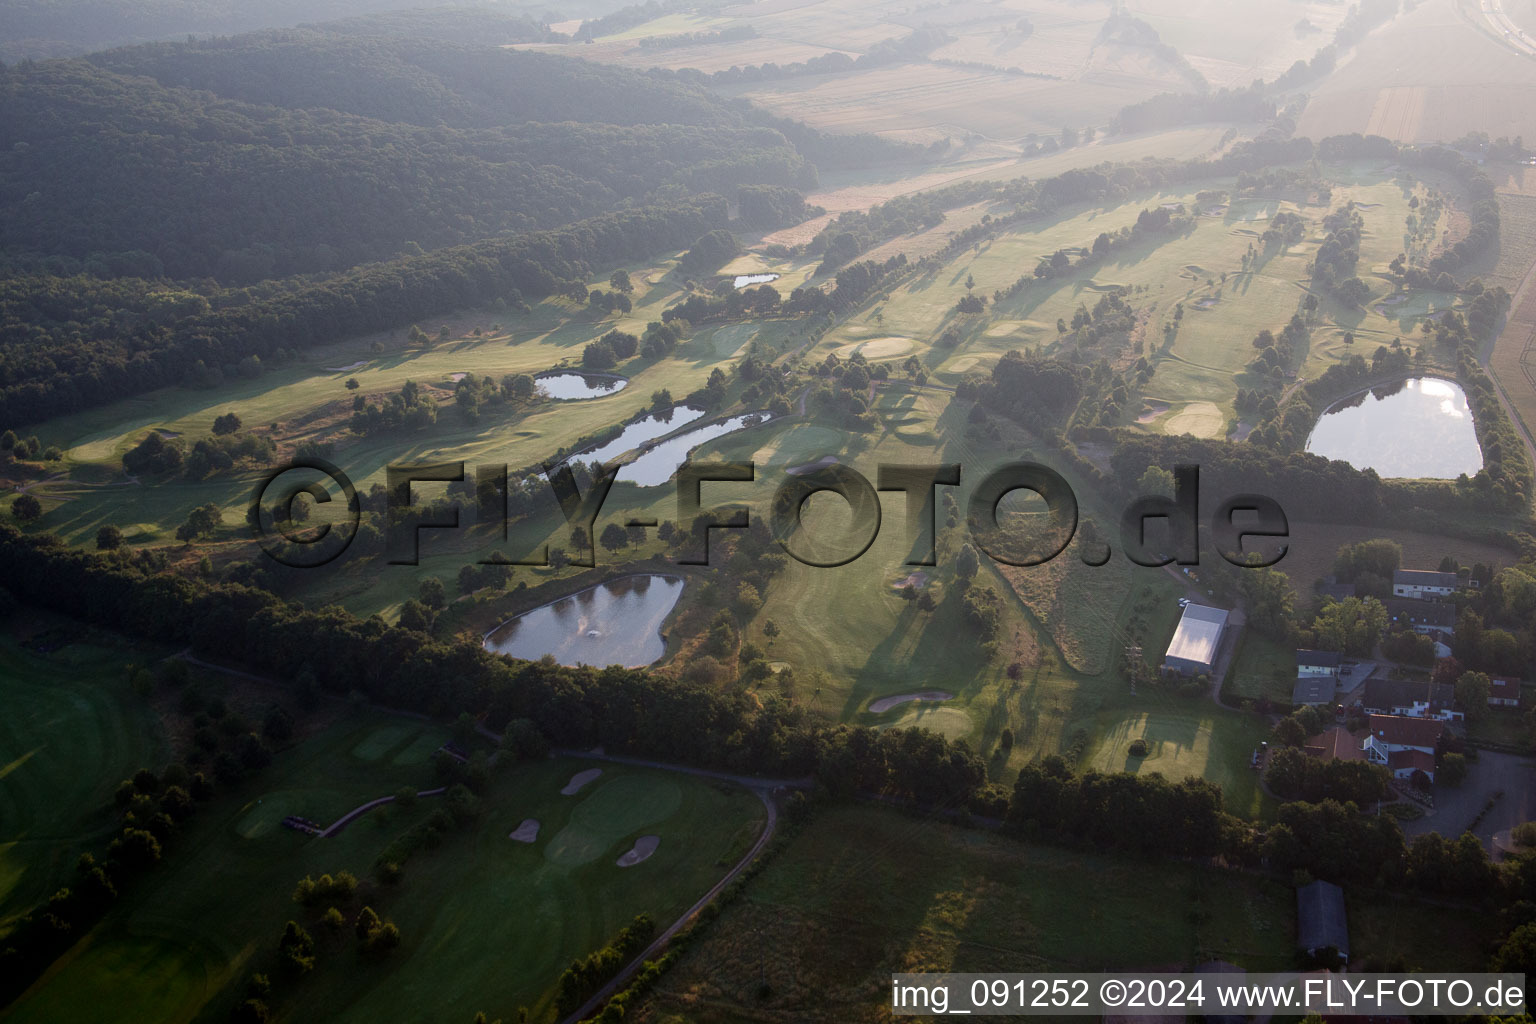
<point x="1152" y="412"/>
<point x="579" y="780"/>
<point x="964" y="363"/>
<point x="916" y="580"/>
<point x="350" y="366"/>
<point x="1206" y="303"/>
<point x="456" y="377"/>
<point x="527" y="832"/>
<point x="1201" y="419"/>
<point x="886" y="703"/>
<point x="643" y="848"/>
<point x="804" y="468"/>
<point x="878" y="348"/>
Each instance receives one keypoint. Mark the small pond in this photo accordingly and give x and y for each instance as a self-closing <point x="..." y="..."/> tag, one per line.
<point x="658" y="464"/>
<point x="570" y="386"/>
<point x="641" y="431"/>
<point x="1420" y="428"/>
<point x="615" y="623"/>
<point x="748" y="280"/>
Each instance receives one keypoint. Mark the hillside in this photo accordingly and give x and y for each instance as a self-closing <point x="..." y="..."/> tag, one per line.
<point x="106" y="172"/>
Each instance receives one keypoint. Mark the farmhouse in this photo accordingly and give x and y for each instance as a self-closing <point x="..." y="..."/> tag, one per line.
<point x="1411" y="698"/>
<point x="1432" y="618"/>
<point x="1317" y="663"/>
<point x="1320" y="922"/>
<point x="1424" y="584"/>
<point x="1192" y="651"/>
<point x="1504" y="692"/>
<point x="1314" y="690"/>
<point x="1404" y="744"/>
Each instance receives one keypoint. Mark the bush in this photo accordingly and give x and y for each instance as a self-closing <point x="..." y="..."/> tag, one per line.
<point x="1138" y="748"/>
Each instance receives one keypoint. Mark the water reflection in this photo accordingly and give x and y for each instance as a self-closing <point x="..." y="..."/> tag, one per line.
<point x="1419" y="428"/>
<point x="615" y="623"/>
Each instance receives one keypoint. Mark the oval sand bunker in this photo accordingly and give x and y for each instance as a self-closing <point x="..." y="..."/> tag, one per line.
<point x="527" y="832"/>
<point x="579" y="780"/>
<point x="643" y="848"/>
<point x="927" y="696"/>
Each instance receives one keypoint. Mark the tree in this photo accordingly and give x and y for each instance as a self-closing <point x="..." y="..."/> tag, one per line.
<point x="621" y="282"/>
<point x="770" y="630"/>
<point x="1453" y="769"/>
<point x="966" y="564"/>
<point x="226" y="424"/>
<point x="109" y="538"/>
<point x="26" y="508"/>
<point x="432" y="594"/>
<point x="297" y="948"/>
<point x="8" y="440"/>
<point x="413" y="615"/>
<point x="1156" y="481"/>
<point x="1472" y="691"/>
<point x="201" y="522"/>
<point x="614" y="537"/>
<point x="352" y="384"/>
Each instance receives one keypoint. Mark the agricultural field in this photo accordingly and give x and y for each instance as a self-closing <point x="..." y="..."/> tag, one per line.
<point x="862" y="893"/>
<point x="180" y="945"/>
<point x="1432" y="74"/>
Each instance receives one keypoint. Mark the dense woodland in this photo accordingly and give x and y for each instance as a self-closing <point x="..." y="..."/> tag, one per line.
<point x="102" y="168"/>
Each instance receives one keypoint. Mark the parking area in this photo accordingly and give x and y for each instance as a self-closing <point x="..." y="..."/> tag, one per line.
<point x="1512" y="776"/>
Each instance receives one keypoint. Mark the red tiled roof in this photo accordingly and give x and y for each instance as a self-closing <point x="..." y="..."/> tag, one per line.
<point x="1400" y="730"/>
<point x="1337" y="744"/>
<point x="1411" y="759"/>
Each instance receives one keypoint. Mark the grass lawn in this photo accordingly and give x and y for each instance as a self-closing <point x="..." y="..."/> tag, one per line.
<point x="181" y="942"/>
<point x="1263" y="667"/>
<point x="864" y="892"/>
<point x="1186" y="738"/>
<point x="72" y="730"/>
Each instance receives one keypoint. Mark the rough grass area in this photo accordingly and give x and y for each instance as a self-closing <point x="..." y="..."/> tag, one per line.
<point x="864" y="892"/>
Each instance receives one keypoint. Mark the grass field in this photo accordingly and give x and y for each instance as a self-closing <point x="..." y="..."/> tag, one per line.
<point x="180" y="942"/>
<point x="72" y="730"/>
<point x="862" y="893"/>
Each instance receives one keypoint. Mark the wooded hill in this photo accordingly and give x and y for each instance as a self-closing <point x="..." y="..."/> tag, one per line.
<point x="105" y="173"/>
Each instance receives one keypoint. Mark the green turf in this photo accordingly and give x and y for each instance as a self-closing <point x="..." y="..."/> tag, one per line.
<point x="214" y="912"/>
<point x="71" y="731"/>
<point x="616" y="809"/>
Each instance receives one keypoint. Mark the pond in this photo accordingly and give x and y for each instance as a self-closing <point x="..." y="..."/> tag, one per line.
<point x="641" y="431"/>
<point x="1420" y="428"/>
<point x="615" y="623"/>
<point x="571" y="386"/>
<point x="658" y="464"/>
<point x="748" y="280"/>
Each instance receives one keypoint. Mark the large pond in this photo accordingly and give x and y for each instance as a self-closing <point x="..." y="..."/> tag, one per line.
<point x="616" y="623"/>
<point x="656" y="466"/>
<point x="571" y="386"/>
<point x="642" y="430"/>
<point x="1419" y="429"/>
